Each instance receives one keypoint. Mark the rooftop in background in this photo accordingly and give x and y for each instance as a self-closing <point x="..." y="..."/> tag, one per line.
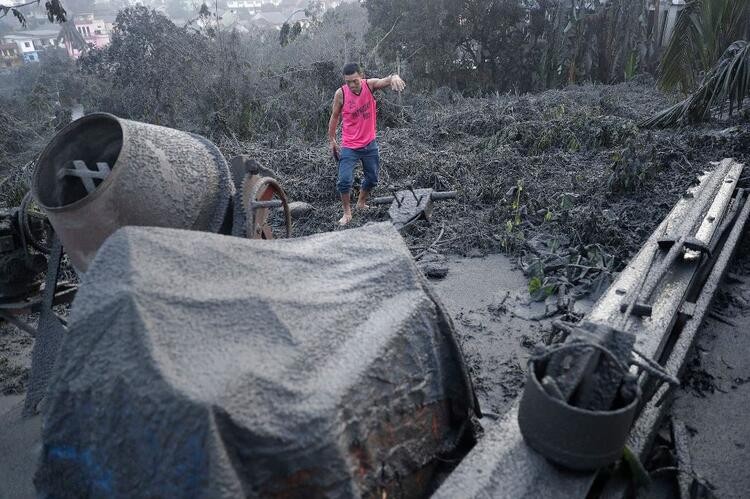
<point x="276" y="18"/>
<point x="38" y="33"/>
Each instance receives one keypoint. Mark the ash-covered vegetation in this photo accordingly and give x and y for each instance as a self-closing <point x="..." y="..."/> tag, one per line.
<point x="531" y="110"/>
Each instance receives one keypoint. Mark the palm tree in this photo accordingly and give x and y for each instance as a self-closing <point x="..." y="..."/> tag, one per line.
<point x="708" y="45"/>
<point x="71" y="37"/>
<point x="728" y="82"/>
<point x="703" y="31"/>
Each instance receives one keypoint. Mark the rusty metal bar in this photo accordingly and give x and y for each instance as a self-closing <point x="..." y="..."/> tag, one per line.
<point x="439" y="196"/>
<point x="64" y="294"/>
<point x="382" y="200"/>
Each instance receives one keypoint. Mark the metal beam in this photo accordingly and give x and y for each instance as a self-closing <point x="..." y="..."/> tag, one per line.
<point x="647" y="425"/>
<point x="48" y="337"/>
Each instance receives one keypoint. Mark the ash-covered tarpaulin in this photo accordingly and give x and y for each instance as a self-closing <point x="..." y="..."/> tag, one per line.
<point x="206" y="365"/>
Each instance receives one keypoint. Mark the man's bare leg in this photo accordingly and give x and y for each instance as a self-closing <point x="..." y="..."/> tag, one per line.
<point x="362" y="199"/>
<point x="346" y="202"/>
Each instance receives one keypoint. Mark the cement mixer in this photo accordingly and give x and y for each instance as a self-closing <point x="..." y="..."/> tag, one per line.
<point x="314" y="397"/>
<point x="102" y="172"/>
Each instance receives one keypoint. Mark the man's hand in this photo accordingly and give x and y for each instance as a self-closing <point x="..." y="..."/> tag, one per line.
<point x="335" y="149"/>
<point x="394" y="82"/>
<point x="397" y="83"/>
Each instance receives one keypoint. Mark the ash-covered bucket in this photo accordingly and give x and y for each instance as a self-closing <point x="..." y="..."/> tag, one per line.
<point x="102" y="172"/>
<point x="580" y="399"/>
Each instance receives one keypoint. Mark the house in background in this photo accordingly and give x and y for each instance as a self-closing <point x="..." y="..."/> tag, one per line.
<point x="25" y="45"/>
<point x="275" y="19"/>
<point x="252" y="6"/>
<point x="9" y="55"/>
<point x="667" y="18"/>
<point x="32" y="42"/>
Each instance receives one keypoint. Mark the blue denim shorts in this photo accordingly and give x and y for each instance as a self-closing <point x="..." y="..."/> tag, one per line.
<point x="370" y="158"/>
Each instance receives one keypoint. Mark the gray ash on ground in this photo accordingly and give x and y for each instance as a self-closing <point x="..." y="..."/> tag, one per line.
<point x="697" y="380"/>
<point x="495" y="344"/>
<point x="13" y="378"/>
<point x="15" y="359"/>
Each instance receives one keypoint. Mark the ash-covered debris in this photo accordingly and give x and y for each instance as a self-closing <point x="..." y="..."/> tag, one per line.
<point x="13" y="378"/>
<point x="298" y="389"/>
<point x="433" y="266"/>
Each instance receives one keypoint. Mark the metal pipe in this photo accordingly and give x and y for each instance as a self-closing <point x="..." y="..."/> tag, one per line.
<point x="438" y="196"/>
<point x="272" y="203"/>
<point x="382" y="200"/>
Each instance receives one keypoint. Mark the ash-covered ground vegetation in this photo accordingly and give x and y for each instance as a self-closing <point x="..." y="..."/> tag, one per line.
<point x="534" y="112"/>
<point x="564" y="178"/>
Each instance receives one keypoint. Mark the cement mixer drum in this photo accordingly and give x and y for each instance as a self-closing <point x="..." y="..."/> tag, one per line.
<point x="102" y="172"/>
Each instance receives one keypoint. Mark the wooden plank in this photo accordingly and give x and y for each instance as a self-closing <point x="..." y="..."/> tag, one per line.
<point x="651" y="332"/>
<point x="502" y="465"/>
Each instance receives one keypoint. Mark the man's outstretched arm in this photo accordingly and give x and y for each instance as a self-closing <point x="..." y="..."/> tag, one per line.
<point x="394" y="82"/>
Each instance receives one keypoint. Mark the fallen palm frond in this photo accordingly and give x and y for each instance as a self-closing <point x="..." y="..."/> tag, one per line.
<point x="726" y="83"/>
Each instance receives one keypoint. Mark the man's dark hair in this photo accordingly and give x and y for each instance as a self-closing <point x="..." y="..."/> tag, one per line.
<point x="351" y="68"/>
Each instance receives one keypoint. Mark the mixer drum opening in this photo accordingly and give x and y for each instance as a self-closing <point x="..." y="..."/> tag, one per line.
<point x="102" y="172"/>
<point x="93" y="139"/>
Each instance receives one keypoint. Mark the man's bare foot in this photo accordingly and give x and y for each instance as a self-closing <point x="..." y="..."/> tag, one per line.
<point x="363" y="206"/>
<point x="345" y="219"/>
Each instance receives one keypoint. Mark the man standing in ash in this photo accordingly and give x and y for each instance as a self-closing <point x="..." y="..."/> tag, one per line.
<point x="355" y="101"/>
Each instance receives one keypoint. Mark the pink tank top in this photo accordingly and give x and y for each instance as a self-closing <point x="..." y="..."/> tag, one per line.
<point x="359" y="116"/>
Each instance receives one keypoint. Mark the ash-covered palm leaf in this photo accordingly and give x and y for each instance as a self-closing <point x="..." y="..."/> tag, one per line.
<point x="724" y="87"/>
<point x="704" y="29"/>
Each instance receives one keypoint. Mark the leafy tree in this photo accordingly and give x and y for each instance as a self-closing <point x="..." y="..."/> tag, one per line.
<point x="34" y="98"/>
<point x="71" y="36"/>
<point x="151" y="66"/>
<point x="491" y="45"/>
<point x="289" y="33"/>
<point x="707" y="41"/>
<point x="54" y="9"/>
